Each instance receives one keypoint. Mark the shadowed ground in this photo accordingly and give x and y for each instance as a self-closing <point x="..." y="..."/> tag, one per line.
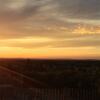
<point x="9" y="78"/>
<point x="49" y="79"/>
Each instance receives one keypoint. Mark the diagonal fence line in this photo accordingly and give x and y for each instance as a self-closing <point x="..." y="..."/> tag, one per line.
<point x="25" y="79"/>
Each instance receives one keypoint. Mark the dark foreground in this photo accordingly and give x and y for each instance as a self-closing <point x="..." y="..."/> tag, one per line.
<point x="27" y="79"/>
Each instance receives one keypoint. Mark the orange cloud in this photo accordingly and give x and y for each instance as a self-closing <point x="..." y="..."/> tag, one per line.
<point x="86" y="30"/>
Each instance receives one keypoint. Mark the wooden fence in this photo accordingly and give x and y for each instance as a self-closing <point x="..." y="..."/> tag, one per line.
<point x="49" y="94"/>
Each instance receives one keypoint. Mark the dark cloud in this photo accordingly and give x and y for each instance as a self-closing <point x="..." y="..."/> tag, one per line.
<point x="83" y="9"/>
<point x="19" y="10"/>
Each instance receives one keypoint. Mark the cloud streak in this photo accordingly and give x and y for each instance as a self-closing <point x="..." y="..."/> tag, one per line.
<point x="32" y="43"/>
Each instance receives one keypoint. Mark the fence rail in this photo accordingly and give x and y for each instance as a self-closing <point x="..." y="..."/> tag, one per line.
<point x="49" y="94"/>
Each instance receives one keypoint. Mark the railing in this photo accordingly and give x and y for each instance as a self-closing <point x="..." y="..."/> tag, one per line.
<point x="48" y="94"/>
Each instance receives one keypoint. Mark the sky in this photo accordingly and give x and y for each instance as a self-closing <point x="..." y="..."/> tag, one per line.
<point x="52" y="29"/>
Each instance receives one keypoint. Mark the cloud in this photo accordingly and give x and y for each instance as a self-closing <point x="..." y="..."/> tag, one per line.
<point x="83" y="9"/>
<point x="66" y="25"/>
<point x="46" y="18"/>
<point x="18" y="9"/>
<point x="32" y="43"/>
<point x="76" y="43"/>
<point x="22" y="9"/>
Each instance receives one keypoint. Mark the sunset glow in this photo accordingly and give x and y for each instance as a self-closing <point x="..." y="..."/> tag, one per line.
<point x="53" y="29"/>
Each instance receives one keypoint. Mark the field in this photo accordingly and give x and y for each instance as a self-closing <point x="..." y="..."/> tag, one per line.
<point x="51" y="77"/>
